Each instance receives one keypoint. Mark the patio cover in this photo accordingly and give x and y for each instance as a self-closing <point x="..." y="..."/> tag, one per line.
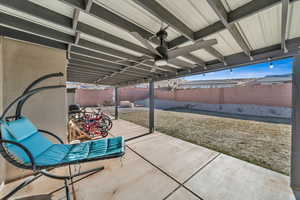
<point x="100" y="48"/>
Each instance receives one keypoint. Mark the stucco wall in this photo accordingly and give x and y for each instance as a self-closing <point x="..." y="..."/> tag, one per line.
<point x="2" y="162"/>
<point x="23" y="63"/>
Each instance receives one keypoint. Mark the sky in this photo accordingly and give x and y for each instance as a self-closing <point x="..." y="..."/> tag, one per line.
<point x="283" y="66"/>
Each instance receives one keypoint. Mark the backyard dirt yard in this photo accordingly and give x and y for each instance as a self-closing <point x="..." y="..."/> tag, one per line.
<point x="261" y="143"/>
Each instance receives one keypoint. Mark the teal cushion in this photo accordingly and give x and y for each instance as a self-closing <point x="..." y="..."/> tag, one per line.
<point x="64" y="153"/>
<point x="21" y="128"/>
<point x="24" y="132"/>
<point x="53" y="155"/>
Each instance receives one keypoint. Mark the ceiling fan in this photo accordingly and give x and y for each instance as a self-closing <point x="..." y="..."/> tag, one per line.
<point x="161" y="55"/>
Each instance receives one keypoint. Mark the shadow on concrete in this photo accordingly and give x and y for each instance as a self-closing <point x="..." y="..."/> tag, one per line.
<point x="234" y="116"/>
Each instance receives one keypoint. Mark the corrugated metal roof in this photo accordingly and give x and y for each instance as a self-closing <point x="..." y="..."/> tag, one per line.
<point x="194" y="13"/>
<point x="133" y="12"/>
<point x="263" y="29"/>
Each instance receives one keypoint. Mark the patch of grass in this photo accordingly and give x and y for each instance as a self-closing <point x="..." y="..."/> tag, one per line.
<point x="264" y="144"/>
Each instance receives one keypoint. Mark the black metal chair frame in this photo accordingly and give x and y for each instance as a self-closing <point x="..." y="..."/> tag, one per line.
<point x="38" y="170"/>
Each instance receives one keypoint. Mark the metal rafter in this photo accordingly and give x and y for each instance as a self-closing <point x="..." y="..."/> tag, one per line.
<point x="220" y="10"/>
<point x="88" y="5"/>
<point x="103" y="68"/>
<point x="83" y="70"/>
<point x="20" y="35"/>
<point x="284" y="21"/>
<point x="195" y="59"/>
<point x="75" y="18"/>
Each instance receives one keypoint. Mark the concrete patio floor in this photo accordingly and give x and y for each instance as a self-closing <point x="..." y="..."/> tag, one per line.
<point x="161" y="167"/>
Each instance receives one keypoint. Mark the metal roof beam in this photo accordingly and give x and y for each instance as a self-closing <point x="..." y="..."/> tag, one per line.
<point x="220" y="10"/>
<point x="284" y="21"/>
<point x="103" y="63"/>
<point x="97" y="74"/>
<point x="82" y="73"/>
<point x="101" y="67"/>
<point x="75" y="18"/>
<point x="31" y="27"/>
<point x="38" y="11"/>
<point x="195" y="59"/>
<point x="97" y="67"/>
<point x="87" y="68"/>
<point x="20" y="35"/>
<point x="88" y="5"/>
<point x="182" y="64"/>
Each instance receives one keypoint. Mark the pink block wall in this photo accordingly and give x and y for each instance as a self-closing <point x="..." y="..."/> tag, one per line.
<point x="85" y="97"/>
<point x="268" y="95"/>
<point x="133" y="94"/>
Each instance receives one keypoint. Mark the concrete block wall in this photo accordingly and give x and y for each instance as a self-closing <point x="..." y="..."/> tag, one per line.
<point x="240" y="109"/>
<point x="86" y="97"/>
<point x="265" y="95"/>
<point x="23" y="63"/>
<point x="268" y="95"/>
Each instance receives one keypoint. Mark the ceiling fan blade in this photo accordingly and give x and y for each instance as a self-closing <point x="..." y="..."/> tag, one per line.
<point x="193" y="47"/>
<point x="145" y="43"/>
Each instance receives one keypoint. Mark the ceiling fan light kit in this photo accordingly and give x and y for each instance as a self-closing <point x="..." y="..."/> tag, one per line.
<point x="161" y="62"/>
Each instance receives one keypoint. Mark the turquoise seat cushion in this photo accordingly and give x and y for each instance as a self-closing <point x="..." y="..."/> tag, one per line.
<point x="21" y="129"/>
<point x="111" y="147"/>
<point x="65" y="153"/>
<point x="108" y="147"/>
<point x="53" y="155"/>
<point x="28" y="136"/>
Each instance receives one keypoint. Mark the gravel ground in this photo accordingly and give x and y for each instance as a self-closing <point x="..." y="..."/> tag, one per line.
<point x="262" y="143"/>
